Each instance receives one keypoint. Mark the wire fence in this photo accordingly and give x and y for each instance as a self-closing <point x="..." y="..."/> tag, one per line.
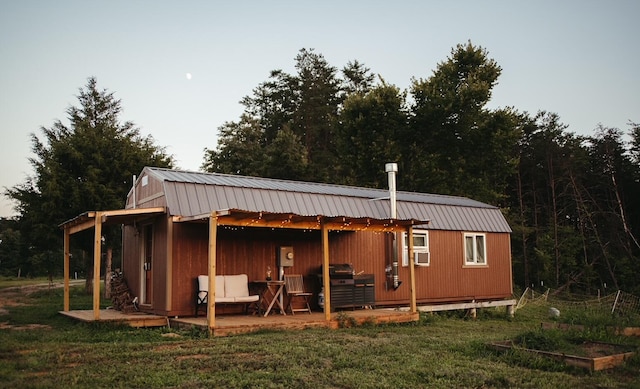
<point x="620" y="303"/>
<point x="626" y="304"/>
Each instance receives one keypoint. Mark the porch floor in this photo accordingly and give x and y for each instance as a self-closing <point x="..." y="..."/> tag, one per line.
<point x="237" y="324"/>
<point x="134" y="319"/>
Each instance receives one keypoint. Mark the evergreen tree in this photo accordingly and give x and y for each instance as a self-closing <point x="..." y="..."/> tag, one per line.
<point x="358" y="78"/>
<point x="87" y="165"/>
<point x="282" y="114"/>
<point x="315" y="118"/>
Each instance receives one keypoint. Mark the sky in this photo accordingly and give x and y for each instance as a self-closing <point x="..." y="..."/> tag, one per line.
<point x="579" y="59"/>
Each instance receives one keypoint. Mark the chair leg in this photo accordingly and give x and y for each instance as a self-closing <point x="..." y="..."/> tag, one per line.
<point x="290" y="306"/>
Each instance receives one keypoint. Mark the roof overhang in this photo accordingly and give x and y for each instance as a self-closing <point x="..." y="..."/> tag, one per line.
<point x="87" y="220"/>
<point x="241" y="218"/>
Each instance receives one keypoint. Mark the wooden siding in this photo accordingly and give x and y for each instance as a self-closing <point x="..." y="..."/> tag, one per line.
<point x="131" y="258"/>
<point x="148" y="196"/>
<point x="159" y="266"/>
<point x="252" y="250"/>
<point x="448" y="279"/>
<point x="132" y="267"/>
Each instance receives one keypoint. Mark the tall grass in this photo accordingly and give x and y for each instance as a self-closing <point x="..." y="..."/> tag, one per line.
<point x="442" y="350"/>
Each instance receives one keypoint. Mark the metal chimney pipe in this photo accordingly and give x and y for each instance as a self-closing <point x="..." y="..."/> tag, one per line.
<point x="392" y="169"/>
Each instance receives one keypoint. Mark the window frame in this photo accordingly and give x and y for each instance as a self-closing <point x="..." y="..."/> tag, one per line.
<point x="416" y="249"/>
<point x="479" y="259"/>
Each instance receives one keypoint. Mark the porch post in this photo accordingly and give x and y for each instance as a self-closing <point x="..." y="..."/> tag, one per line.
<point x="211" y="297"/>
<point x="97" y="254"/>
<point x="66" y="269"/>
<point x="413" y="306"/>
<point x="169" y="288"/>
<point x="325" y="271"/>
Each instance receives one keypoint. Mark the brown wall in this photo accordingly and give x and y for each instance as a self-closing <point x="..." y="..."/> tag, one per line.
<point x="252" y="250"/>
<point x="447" y="279"/>
<point x="132" y="265"/>
<point x="150" y="195"/>
<point x="131" y="258"/>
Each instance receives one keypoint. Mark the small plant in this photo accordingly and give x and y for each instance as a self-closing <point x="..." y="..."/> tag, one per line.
<point x="345" y="320"/>
<point x="539" y="340"/>
<point x="368" y="322"/>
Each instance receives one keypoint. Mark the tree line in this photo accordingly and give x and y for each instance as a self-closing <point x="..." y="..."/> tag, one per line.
<point x="569" y="198"/>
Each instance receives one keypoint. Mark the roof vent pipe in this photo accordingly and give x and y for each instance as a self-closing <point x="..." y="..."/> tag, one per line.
<point x="133" y="188"/>
<point x="392" y="169"/>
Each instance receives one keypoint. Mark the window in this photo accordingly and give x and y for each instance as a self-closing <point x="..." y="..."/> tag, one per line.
<point x="475" y="249"/>
<point x="420" y="248"/>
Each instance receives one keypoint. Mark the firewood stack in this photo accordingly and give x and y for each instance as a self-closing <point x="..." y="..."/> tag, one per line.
<point x="121" y="297"/>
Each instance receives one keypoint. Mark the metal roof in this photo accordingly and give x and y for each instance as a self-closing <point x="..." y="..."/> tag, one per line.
<point x="196" y="193"/>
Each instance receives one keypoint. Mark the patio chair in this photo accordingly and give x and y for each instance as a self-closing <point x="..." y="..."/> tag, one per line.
<point x="295" y="289"/>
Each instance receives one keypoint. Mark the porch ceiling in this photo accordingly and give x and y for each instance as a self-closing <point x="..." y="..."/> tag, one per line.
<point x="236" y="217"/>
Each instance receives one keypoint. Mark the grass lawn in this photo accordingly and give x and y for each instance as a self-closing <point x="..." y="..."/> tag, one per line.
<point x="41" y="348"/>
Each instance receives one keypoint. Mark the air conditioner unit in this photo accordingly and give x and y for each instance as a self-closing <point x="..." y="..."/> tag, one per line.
<point x="422" y="258"/>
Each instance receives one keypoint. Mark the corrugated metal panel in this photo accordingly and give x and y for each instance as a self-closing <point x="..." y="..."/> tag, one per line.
<point x="305" y="187"/>
<point x="190" y="194"/>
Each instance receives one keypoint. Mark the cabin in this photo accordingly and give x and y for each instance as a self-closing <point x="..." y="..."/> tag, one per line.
<point x="415" y="250"/>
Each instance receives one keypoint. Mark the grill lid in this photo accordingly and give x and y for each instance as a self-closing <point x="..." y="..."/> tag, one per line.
<point x="341" y="270"/>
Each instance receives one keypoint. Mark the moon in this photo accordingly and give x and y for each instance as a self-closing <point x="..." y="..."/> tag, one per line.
<point x="188" y="76"/>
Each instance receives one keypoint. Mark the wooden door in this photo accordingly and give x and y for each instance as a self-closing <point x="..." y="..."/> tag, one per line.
<point x="147" y="258"/>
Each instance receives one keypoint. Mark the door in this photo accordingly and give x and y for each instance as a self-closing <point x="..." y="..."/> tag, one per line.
<point x="147" y="261"/>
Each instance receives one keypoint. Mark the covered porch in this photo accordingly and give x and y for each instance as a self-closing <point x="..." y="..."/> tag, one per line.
<point x="223" y="324"/>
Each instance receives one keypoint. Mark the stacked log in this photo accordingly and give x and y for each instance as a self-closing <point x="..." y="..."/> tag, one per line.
<point x="121" y="296"/>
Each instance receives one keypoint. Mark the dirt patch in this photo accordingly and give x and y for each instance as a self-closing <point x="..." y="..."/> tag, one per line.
<point x="11" y="297"/>
<point x="171" y="335"/>
<point x="167" y="347"/>
<point x="195" y="356"/>
<point x="595" y="350"/>
<point x="6" y="326"/>
<point x="14" y="296"/>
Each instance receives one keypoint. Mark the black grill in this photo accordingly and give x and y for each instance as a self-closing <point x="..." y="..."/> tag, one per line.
<point x="349" y="290"/>
<point x="342" y="270"/>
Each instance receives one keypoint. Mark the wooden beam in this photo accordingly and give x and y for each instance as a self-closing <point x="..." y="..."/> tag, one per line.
<point x="325" y="273"/>
<point x="97" y="254"/>
<point x="211" y="297"/>
<point x="132" y="211"/>
<point x="304" y="224"/>
<point x="468" y="305"/>
<point x="82" y="226"/>
<point x="66" y="269"/>
<point x="412" y="272"/>
<point x="269" y="223"/>
<point x="169" y="276"/>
